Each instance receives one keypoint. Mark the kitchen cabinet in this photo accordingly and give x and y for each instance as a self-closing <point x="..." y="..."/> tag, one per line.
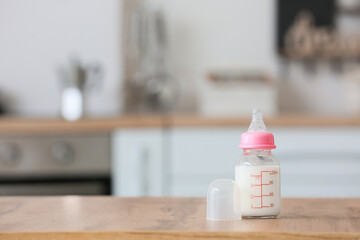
<point x="201" y="155"/>
<point x="137" y="168"/>
<point x="184" y="160"/>
<point x="315" y="162"/>
<point x="319" y="162"/>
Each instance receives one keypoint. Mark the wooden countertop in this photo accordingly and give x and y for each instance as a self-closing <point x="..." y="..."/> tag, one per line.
<point x="17" y="125"/>
<point x="90" y="218"/>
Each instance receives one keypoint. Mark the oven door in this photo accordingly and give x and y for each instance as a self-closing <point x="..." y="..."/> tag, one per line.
<point x="84" y="186"/>
<point x="55" y="165"/>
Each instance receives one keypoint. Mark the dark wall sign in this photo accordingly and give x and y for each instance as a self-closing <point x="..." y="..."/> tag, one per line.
<point x="322" y="11"/>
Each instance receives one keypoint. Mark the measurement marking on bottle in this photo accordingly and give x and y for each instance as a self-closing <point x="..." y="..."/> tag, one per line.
<point x="261" y="182"/>
<point x="254" y="207"/>
<point x="252" y="175"/>
<point x="261" y="196"/>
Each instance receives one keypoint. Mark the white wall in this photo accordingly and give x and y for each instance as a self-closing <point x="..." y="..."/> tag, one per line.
<point x="232" y="34"/>
<point x="37" y="36"/>
<point x="217" y="34"/>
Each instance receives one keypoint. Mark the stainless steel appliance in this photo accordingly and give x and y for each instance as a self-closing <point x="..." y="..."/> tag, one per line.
<point x="149" y="85"/>
<point x="55" y="165"/>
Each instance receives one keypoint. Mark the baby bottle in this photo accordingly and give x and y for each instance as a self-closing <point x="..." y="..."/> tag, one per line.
<point x="257" y="172"/>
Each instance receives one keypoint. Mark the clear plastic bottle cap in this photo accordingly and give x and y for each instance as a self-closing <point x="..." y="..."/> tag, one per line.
<point x="223" y="200"/>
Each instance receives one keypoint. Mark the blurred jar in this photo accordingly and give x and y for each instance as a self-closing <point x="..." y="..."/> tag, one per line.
<point x="75" y="78"/>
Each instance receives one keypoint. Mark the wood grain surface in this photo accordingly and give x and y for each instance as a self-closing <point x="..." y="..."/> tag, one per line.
<point x="73" y="217"/>
<point x="16" y="125"/>
<point x="86" y="125"/>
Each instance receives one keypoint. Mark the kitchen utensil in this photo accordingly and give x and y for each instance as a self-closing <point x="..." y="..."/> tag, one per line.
<point x="151" y="87"/>
<point x="75" y="80"/>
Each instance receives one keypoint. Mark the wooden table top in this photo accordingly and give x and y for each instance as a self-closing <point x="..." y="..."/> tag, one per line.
<point x="73" y="217"/>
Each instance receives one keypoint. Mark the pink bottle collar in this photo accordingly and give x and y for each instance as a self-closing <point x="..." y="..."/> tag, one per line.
<point x="257" y="140"/>
<point x="257" y="137"/>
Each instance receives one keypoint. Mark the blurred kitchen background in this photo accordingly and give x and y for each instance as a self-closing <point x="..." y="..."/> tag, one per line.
<point x="150" y="97"/>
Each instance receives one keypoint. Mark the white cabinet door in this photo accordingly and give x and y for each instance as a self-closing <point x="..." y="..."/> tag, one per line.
<point x="201" y="155"/>
<point x="319" y="162"/>
<point x="315" y="162"/>
<point x="137" y="164"/>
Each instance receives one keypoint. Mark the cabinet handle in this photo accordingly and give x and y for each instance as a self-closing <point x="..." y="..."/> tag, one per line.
<point x="144" y="171"/>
